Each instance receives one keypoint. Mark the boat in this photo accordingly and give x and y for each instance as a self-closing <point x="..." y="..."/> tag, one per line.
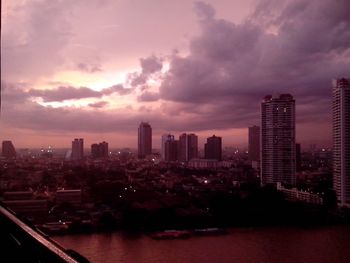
<point x="171" y="234"/>
<point x="210" y="231"/>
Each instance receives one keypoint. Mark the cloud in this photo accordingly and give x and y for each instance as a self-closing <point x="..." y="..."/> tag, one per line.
<point x="148" y="96"/>
<point x="88" y="68"/>
<point x="35" y="34"/>
<point x="296" y="47"/>
<point x="63" y="93"/>
<point x="119" y="88"/>
<point x="151" y="64"/>
<point x="203" y="10"/>
<point x="99" y="104"/>
<point x="149" y="67"/>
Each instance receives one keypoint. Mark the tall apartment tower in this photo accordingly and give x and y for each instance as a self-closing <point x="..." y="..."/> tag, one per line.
<point x="99" y="150"/>
<point x="188" y="147"/>
<point x="213" y="148"/>
<point x="171" y="150"/>
<point x="144" y="140"/>
<point x="278" y="140"/>
<point x="254" y="144"/>
<point x="8" y="150"/>
<point x="341" y="140"/>
<point x="78" y="149"/>
<point x="165" y="138"/>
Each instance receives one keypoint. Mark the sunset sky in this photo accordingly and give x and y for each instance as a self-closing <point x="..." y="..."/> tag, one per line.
<point x="96" y="68"/>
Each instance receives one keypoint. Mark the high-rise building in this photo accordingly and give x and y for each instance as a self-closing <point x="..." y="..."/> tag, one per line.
<point x="144" y="140"/>
<point x="99" y="150"/>
<point x="78" y="149"/>
<point x="341" y="140"/>
<point x="8" y="150"/>
<point x="254" y="144"/>
<point x="213" y="148"/>
<point x="298" y="157"/>
<point x="188" y="147"/>
<point x="171" y="150"/>
<point x="165" y="138"/>
<point x="278" y="140"/>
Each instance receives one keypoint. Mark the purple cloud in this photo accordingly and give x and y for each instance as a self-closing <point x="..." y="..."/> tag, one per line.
<point x="65" y="93"/>
<point x="148" y="96"/>
<point x="99" y="104"/>
<point x="88" y="68"/>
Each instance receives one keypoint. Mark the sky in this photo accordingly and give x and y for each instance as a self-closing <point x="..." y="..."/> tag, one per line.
<point x="95" y="69"/>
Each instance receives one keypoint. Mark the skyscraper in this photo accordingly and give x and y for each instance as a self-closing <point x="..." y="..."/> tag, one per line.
<point x="171" y="150"/>
<point x="188" y="147"/>
<point x="213" y="148"/>
<point x="8" y="150"/>
<point x="144" y="140"/>
<point x="99" y="150"/>
<point x="341" y="140"/>
<point x="78" y="149"/>
<point x="298" y="157"/>
<point x="278" y="139"/>
<point x="165" y="138"/>
<point x="254" y="144"/>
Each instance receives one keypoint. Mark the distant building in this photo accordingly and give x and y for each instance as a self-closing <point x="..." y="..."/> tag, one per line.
<point x="278" y="140"/>
<point x="341" y="140"/>
<point x="8" y="150"/>
<point x="99" y="150"/>
<point x="188" y="147"/>
<point x="72" y="197"/>
<point x="77" y="149"/>
<point x="213" y="148"/>
<point x="254" y="145"/>
<point x="23" y="203"/>
<point x="144" y="140"/>
<point x="171" y="148"/>
<point x="302" y="196"/>
<point x="298" y="157"/>
<point x="204" y="163"/>
<point x="165" y="138"/>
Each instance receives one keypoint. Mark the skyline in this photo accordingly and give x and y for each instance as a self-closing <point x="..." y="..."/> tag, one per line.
<point x="228" y="57"/>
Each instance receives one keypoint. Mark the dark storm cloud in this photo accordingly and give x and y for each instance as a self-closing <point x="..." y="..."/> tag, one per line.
<point x="294" y="47"/>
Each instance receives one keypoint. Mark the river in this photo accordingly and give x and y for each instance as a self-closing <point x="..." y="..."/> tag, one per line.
<point x="322" y="244"/>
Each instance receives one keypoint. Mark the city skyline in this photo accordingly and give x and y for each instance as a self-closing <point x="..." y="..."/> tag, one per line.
<point x="205" y="74"/>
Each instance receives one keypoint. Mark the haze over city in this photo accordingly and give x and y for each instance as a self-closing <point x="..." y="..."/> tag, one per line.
<point x="96" y="69"/>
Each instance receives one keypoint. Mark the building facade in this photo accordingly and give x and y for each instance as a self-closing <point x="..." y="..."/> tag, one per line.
<point x="213" y="148"/>
<point x="188" y="147"/>
<point x="277" y="157"/>
<point x="254" y="144"/>
<point x="171" y="150"/>
<point x="144" y="140"/>
<point x="99" y="150"/>
<point x="78" y="149"/>
<point x="8" y="150"/>
<point x="165" y="138"/>
<point x="341" y="140"/>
